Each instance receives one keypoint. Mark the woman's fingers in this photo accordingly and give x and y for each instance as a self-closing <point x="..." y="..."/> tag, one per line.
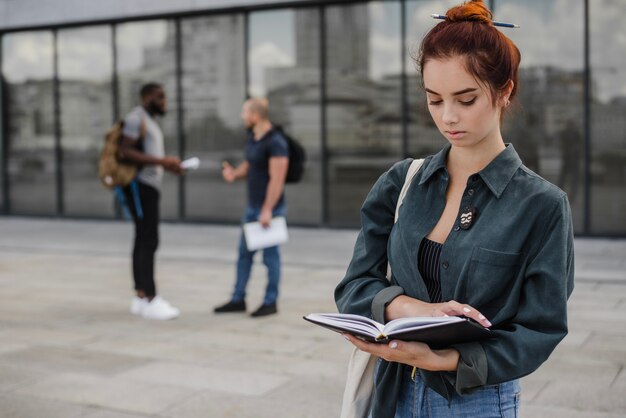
<point x="468" y="311"/>
<point x="394" y="351"/>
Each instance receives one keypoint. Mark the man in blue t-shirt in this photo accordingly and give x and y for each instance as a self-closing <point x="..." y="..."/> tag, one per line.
<point x="265" y="167"/>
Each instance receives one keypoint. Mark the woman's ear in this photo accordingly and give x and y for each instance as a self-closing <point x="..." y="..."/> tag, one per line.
<point x="506" y="93"/>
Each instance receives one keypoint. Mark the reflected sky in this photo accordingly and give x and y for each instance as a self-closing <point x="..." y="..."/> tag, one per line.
<point x="27" y="56"/>
<point x="134" y="38"/>
<point x="85" y="53"/>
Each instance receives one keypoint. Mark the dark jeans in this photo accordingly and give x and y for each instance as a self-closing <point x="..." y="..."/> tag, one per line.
<point x="271" y="259"/>
<point x="146" y="234"/>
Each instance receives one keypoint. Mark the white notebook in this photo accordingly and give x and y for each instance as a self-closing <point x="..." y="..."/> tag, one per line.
<point x="258" y="237"/>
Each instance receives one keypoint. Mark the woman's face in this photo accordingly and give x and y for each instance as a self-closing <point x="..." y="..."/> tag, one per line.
<point x="462" y="108"/>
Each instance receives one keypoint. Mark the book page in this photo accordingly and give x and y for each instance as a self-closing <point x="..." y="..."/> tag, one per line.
<point x="349" y="323"/>
<point x="418" y="322"/>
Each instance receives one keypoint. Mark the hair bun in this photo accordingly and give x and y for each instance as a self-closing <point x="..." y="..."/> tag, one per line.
<point x="472" y="11"/>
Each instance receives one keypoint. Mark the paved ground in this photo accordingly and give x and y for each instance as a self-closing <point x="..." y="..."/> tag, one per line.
<point x="69" y="348"/>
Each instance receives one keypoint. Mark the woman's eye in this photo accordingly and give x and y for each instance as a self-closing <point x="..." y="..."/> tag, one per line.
<point x="435" y="102"/>
<point x="468" y="102"/>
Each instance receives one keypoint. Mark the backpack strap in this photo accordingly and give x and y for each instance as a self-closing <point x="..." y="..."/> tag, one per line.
<point x="134" y="193"/>
<point x="142" y="128"/>
<point x="410" y="174"/>
<point x="134" y="190"/>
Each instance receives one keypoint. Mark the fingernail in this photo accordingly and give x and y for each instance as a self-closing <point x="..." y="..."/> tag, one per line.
<point x="481" y="316"/>
<point x="488" y="323"/>
<point x="393" y="345"/>
<point x="467" y="310"/>
<point x="445" y="315"/>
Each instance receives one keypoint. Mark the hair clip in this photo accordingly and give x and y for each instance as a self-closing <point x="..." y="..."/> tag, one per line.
<point x="502" y="24"/>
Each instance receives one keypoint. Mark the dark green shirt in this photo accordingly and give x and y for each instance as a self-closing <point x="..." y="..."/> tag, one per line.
<point x="515" y="264"/>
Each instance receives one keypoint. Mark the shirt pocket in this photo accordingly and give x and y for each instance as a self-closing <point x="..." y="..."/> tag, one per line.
<point x="491" y="280"/>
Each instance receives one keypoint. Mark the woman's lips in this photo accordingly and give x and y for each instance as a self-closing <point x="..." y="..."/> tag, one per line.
<point x="455" y="134"/>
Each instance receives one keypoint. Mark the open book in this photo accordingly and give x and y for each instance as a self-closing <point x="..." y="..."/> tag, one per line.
<point x="440" y="331"/>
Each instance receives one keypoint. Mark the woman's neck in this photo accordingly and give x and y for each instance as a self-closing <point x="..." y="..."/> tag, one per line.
<point x="465" y="161"/>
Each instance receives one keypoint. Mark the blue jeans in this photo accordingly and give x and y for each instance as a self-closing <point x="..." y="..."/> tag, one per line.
<point x="492" y="401"/>
<point x="271" y="259"/>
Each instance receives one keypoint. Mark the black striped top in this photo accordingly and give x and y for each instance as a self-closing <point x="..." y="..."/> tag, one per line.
<point x="428" y="264"/>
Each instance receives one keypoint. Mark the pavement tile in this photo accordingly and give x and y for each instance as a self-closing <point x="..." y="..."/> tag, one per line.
<point x="307" y="398"/>
<point x="110" y="392"/>
<point x="229" y="380"/>
<point x="72" y="360"/>
<point x="21" y="406"/>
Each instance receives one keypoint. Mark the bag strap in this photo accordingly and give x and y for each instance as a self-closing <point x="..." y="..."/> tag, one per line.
<point x="142" y="128"/>
<point x="410" y="174"/>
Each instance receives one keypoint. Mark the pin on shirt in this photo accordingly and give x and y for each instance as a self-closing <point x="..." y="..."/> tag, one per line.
<point x="468" y="214"/>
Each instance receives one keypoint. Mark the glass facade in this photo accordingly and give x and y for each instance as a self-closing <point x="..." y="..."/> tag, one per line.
<point x="607" y="171"/>
<point x="363" y="102"/>
<point x="85" y="68"/>
<point x="284" y="66"/>
<point x="213" y="89"/>
<point x="546" y="124"/>
<point x="29" y="123"/>
<point x="339" y="77"/>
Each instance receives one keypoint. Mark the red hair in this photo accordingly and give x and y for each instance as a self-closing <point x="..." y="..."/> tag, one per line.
<point x="468" y="31"/>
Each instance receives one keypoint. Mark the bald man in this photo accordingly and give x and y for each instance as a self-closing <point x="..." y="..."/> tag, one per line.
<point x="265" y="167"/>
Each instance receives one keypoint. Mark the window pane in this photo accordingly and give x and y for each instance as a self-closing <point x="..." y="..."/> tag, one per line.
<point x="85" y="67"/>
<point x="546" y="128"/>
<point x="364" y="126"/>
<point x="424" y="137"/>
<point x="213" y="91"/>
<point x="27" y="68"/>
<point x="608" y="124"/>
<point x="284" y="67"/>
<point x="146" y="53"/>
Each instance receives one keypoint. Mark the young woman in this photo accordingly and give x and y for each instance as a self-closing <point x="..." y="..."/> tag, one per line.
<point x="478" y="234"/>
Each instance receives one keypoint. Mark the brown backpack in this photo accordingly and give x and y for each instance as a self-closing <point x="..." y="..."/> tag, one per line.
<point x="111" y="170"/>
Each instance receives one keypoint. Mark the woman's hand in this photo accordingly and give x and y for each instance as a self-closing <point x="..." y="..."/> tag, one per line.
<point x="404" y="306"/>
<point x="414" y="354"/>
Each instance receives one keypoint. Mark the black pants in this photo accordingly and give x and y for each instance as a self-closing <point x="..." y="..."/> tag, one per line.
<point x="146" y="235"/>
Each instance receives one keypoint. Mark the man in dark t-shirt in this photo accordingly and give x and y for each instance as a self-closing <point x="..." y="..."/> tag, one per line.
<point x="265" y="167"/>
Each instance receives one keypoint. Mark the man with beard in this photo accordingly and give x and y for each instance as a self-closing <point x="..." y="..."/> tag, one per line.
<point x="265" y="168"/>
<point x="142" y="143"/>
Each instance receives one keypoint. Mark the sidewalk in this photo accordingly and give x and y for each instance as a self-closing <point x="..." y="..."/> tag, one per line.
<point x="69" y="347"/>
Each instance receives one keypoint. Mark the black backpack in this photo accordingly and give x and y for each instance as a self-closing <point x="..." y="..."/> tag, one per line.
<point x="297" y="157"/>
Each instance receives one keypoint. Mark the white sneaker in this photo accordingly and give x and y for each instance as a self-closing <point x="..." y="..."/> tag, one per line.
<point x="159" y="308"/>
<point x="137" y="305"/>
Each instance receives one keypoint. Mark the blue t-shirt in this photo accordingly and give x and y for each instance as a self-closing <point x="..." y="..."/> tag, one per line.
<point x="258" y="154"/>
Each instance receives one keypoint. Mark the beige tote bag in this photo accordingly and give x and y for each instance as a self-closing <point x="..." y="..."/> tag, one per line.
<point x="357" y="394"/>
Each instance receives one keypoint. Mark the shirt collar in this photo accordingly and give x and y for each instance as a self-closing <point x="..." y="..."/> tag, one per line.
<point x="496" y="175"/>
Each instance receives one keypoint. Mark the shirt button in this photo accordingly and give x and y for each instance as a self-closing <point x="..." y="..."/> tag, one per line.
<point x="470" y="192"/>
<point x="456" y="228"/>
<point x="445" y="265"/>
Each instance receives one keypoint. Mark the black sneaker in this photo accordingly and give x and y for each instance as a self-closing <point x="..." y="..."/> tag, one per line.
<point x="231" y="307"/>
<point x="265" y="310"/>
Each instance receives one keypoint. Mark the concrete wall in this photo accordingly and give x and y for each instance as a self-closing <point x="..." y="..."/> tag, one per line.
<point x="24" y="13"/>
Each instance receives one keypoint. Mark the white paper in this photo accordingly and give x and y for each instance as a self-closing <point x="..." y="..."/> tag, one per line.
<point x="258" y="237"/>
<point x="190" y="163"/>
